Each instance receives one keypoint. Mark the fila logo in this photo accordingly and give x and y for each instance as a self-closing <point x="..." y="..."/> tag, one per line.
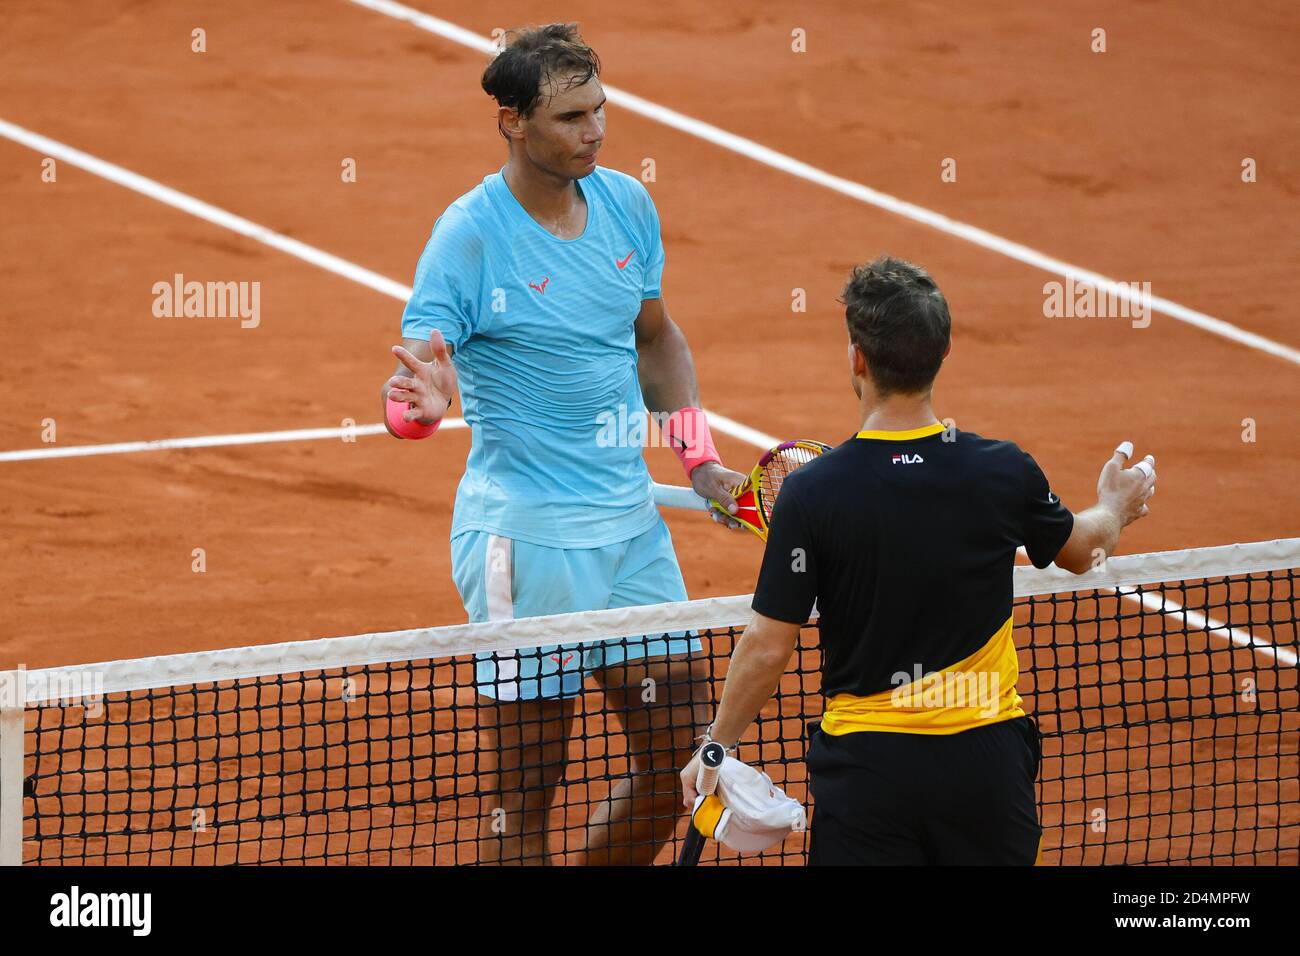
<point x="622" y="263"/>
<point x="908" y="460"/>
<point x="540" y="288"/>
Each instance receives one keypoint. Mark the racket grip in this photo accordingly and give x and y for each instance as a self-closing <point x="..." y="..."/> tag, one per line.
<point x="708" y="781"/>
<point x="711" y="758"/>
<point x="676" y="496"/>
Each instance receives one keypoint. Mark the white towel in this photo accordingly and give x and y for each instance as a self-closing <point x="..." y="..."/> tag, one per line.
<point x="747" y="812"/>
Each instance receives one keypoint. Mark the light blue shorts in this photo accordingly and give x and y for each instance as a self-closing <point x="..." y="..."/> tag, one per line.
<point x="500" y="579"/>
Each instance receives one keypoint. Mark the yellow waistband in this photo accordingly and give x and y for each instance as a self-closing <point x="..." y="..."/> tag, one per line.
<point x="974" y="692"/>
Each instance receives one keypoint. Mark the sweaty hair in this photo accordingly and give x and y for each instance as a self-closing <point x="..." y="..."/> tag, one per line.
<point x="899" y="319"/>
<point x="531" y="58"/>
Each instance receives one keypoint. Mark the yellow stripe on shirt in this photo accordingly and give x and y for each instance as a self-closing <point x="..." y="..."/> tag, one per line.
<point x="908" y="435"/>
<point x="972" y="693"/>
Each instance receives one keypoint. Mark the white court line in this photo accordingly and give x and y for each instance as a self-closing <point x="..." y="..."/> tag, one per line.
<point x="1194" y="621"/>
<point x="865" y="194"/>
<point x="206" y="211"/>
<point x="203" y="441"/>
<point x="729" y="426"/>
<point x="720" y="422"/>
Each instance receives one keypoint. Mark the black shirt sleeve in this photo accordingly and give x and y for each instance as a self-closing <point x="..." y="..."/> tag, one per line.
<point x="787" y="581"/>
<point x="1046" y="522"/>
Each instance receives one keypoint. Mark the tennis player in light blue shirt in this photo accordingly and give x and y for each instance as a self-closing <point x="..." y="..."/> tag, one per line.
<point x="545" y="348"/>
<point x="538" y="300"/>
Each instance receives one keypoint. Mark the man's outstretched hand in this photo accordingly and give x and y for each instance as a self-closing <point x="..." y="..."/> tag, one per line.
<point x="430" y="385"/>
<point x="1126" y="491"/>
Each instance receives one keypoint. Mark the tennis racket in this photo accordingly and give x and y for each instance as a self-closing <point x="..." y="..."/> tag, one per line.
<point x="756" y="495"/>
<point x="711" y="757"/>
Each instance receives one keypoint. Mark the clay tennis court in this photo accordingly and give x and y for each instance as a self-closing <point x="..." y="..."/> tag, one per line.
<point x="1128" y="163"/>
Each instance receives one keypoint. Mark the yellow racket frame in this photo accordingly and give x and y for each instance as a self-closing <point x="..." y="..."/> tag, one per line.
<point x="752" y="495"/>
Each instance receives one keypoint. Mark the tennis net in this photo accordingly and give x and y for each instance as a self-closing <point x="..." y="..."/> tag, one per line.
<point x="1164" y="686"/>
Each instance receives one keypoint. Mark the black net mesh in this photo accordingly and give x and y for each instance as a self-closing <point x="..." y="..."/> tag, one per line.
<point x="1169" y="717"/>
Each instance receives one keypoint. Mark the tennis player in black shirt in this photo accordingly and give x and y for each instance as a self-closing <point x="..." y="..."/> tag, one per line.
<point x="905" y="537"/>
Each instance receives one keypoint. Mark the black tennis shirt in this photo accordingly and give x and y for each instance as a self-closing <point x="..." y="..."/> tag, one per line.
<point x="905" y="541"/>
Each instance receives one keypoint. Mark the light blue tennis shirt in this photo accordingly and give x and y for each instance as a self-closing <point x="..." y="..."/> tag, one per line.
<point x="545" y="350"/>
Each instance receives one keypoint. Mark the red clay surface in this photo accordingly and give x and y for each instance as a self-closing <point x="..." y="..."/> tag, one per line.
<point x="1126" y="162"/>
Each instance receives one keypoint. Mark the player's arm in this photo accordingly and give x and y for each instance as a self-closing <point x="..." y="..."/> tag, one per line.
<point x="443" y="303"/>
<point x="664" y="362"/>
<point x="784" y="597"/>
<point x="757" y="663"/>
<point x="1122" y="496"/>
<point x="425" y="379"/>
<point x="667" y="374"/>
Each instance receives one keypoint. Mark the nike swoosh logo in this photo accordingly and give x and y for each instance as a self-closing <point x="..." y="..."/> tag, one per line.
<point x="622" y="263"/>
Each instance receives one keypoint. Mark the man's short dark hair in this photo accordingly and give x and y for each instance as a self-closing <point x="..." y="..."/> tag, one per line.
<point x="899" y="319"/>
<point x="532" y="57"/>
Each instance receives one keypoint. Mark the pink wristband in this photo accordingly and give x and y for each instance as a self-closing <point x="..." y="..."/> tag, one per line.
<point x="411" y="430"/>
<point x="687" y="431"/>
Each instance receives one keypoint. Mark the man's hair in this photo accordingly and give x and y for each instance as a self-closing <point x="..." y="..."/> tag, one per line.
<point x="531" y="58"/>
<point x="899" y="319"/>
